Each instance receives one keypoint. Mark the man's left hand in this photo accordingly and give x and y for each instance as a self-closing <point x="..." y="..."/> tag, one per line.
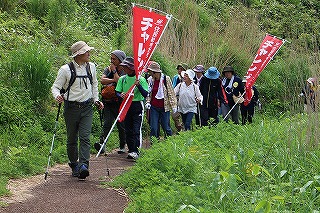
<point x="99" y="105"/>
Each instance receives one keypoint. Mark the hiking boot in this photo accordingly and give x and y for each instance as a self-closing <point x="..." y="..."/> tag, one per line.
<point x="133" y="155"/>
<point x="97" y="146"/>
<point x="75" y="169"/>
<point x="83" y="172"/>
<point x="122" y="151"/>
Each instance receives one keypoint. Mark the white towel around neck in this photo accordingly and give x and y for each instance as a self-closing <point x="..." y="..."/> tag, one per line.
<point x="230" y="82"/>
<point x="160" y="94"/>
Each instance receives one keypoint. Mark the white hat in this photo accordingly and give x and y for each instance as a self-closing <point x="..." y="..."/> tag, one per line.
<point x="190" y="73"/>
<point x="79" y="48"/>
<point x="311" y="80"/>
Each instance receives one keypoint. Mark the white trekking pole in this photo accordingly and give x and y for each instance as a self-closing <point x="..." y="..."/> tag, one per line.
<point x="51" y="148"/>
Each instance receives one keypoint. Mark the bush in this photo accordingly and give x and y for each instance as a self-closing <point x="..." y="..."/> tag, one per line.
<point x="8" y="5"/>
<point x="38" y="8"/>
<point x="15" y="109"/>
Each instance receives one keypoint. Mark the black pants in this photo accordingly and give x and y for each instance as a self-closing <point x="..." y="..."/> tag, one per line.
<point x="247" y="113"/>
<point x="110" y="113"/>
<point x="207" y="113"/>
<point x="133" y="124"/>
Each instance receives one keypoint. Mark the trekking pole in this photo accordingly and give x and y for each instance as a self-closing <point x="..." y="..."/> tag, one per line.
<point x="199" y="115"/>
<point x="51" y="148"/>
<point x="106" y="139"/>
<point x="101" y="118"/>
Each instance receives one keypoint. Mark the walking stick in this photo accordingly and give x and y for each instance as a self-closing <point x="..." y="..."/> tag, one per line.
<point x="51" y="148"/>
<point x="199" y="115"/>
<point x="101" y="117"/>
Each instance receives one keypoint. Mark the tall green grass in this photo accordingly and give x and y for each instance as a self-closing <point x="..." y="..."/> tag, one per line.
<point x="217" y="34"/>
<point x="263" y="167"/>
<point x="30" y="68"/>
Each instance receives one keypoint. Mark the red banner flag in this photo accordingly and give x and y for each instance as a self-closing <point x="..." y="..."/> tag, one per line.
<point x="148" y="28"/>
<point x="268" y="48"/>
<point x="125" y="104"/>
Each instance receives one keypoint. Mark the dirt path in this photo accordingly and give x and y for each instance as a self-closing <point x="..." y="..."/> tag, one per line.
<point x="62" y="193"/>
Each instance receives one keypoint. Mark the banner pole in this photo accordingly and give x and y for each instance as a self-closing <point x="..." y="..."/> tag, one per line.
<point x="155" y="10"/>
<point x="113" y="125"/>
<point x="234" y="106"/>
<point x="168" y="17"/>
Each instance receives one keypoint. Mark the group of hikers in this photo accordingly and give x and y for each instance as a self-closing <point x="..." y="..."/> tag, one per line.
<point x="192" y="92"/>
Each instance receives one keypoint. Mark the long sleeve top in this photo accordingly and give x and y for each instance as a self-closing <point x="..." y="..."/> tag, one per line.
<point x="81" y="90"/>
<point x="170" y="101"/>
<point x="212" y="91"/>
<point x="186" y="96"/>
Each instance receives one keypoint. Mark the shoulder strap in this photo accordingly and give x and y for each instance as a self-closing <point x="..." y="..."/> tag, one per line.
<point x="194" y="89"/>
<point x="73" y="75"/>
<point x="165" y="80"/>
<point x="89" y="74"/>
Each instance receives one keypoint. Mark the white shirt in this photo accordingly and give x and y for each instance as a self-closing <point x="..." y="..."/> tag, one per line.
<point x="187" y="97"/>
<point x="78" y="91"/>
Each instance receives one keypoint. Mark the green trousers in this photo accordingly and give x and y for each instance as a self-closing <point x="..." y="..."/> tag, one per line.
<point x="79" y="124"/>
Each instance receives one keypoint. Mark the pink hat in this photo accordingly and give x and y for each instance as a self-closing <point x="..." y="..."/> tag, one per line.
<point x="199" y="68"/>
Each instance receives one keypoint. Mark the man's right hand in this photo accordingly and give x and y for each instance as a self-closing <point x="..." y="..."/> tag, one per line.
<point x="59" y="99"/>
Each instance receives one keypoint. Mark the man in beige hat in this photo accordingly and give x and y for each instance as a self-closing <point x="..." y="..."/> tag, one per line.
<point x="79" y="84"/>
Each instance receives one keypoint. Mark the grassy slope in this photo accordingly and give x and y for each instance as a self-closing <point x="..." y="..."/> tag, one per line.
<point x="229" y="168"/>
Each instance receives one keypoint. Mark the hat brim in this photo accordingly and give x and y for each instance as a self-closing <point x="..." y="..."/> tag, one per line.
<point x="183" y="66"/>
<point x="154" y="70"/>
<point x="130" y="66"/>
<point x="212" y="76"/>
<point x="83" y="50"/>
<point x="196" y="70"/>
<point x="227" y="71"/>
<point x="190" y="75"/>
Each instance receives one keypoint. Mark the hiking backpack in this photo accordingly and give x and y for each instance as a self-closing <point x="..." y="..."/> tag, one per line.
<point x="74" y="76"/>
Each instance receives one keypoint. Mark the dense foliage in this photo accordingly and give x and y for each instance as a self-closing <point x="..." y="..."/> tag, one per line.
<point x="263" y="167"/>
<point x="35" y="38"/>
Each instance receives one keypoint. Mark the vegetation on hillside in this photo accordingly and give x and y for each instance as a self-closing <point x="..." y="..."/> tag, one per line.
<point x="263" y="167"/>
<point x="36" y="35"/>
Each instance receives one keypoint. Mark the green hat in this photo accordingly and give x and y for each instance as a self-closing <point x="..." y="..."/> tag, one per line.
<point x="183" y="65"/>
